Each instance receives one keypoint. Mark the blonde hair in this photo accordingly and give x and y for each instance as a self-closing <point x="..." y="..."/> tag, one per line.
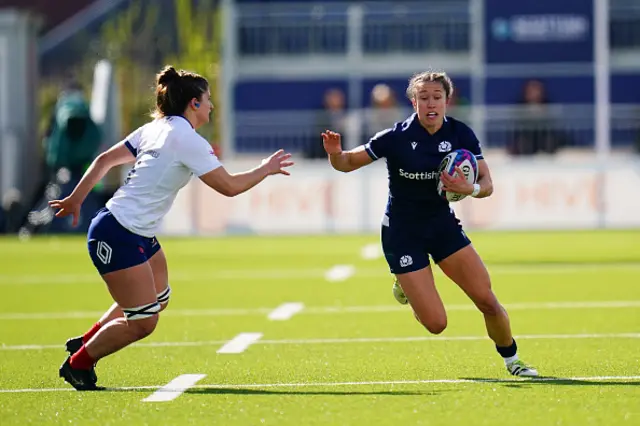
<point x="430" y="77"/>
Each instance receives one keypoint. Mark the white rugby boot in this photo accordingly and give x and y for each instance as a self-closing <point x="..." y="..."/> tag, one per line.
<point x="398" y="294"/>
<point x="519" y="368"/>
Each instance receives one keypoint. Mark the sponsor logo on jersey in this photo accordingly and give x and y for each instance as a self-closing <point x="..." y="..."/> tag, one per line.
<point x="419" y="176"/>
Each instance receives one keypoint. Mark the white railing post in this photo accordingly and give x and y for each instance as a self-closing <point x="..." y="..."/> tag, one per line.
<point x="227" y="82"/>
<point x="478" y="75"/>
<point x="602" y="75"/>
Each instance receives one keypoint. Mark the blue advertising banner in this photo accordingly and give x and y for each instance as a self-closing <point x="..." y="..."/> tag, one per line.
<point x="538" y="31"/>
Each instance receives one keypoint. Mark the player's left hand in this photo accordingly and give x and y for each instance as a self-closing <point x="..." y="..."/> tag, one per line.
<point x="457" y="183"/>
<point x="67" y="206"/>
<point x="277" y="162"/>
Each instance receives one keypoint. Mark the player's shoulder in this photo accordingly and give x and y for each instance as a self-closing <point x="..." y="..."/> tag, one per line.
<point x="458" y="126"/>
<point x="400" y="129"/>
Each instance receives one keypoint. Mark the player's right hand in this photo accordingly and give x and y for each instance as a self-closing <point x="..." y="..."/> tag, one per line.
<point x="67" y="206"/>
<point x="332" y="142"/>
<point x="276" y="163"/>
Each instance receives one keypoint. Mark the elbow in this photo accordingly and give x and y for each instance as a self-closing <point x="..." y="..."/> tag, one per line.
<point x="344" y="168"/>
<point x="228" y="191"/>
<point x="489" y="190"/>
<point x="102" y="159"/>
<point x="231" y="189"/>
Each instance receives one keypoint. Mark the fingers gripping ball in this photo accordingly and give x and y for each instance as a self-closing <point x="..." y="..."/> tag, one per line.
<point x="468" y="164"/>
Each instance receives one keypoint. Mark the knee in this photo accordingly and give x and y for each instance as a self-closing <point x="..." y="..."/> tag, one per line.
<point x="434" y="325"/>
<point x="164" y="305"/>
<point x="437" y="326"/>
<point x="144" y="327"/>
<point x="488" y="304"/>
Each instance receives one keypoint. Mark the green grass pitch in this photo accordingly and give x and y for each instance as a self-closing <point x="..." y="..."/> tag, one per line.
<point x="352" y="356"/>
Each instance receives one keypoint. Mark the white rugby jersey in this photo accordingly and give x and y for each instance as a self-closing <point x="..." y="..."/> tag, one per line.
<point x="168" y="153"/>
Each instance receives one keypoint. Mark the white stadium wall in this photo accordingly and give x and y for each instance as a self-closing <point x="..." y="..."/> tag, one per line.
<point x="545" y="193"/>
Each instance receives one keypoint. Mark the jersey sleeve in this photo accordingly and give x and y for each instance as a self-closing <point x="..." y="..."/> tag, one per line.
<point x="379" y="145"/>
<point x="198" y="156"/>
<point x="471" y="142"/>
<point x="132" y="141"/>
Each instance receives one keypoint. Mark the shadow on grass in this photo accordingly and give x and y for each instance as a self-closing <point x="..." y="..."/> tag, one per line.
<point x="292" y="391"/>
<point x="555" y="381"/>
<point x="241" y="391"/>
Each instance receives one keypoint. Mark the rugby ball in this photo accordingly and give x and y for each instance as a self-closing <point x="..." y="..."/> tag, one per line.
<point x="468" y="164"/>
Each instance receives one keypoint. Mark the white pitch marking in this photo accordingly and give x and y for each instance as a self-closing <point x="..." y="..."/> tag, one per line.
<point x="371" y="252"/>
<point x="340" y="340"/>
<point x="286" y="311"/>
<point x="239" y="343"/>
<point x="371" y="383"/>
<point x="279" y="274"/>
<point x="340" y="273"/>
<point x="174" y="388"/>
<point x="330" y="310"/>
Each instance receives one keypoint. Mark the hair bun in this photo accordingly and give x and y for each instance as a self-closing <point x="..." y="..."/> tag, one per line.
<point x="167" y="75"/>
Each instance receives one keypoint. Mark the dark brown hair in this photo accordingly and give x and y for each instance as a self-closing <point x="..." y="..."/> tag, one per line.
<point x="430" y="77"/>
<point x="175" y="89"/>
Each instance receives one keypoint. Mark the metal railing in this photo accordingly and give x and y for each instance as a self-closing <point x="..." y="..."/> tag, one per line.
<point x="516" y="128"/>
<point x="427" y="26"/>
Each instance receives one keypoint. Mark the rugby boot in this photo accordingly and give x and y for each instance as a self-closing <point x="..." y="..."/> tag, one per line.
<point x="72" y="346"/>
<point x="81" y="380"/>
<point x="519" y="368"/>
<point x="398" y="294"/>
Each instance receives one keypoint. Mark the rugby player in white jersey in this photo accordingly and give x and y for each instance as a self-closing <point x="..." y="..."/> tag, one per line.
<point x="121" y="239"/>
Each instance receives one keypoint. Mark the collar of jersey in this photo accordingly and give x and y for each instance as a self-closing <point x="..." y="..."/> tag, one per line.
<point x="414" y="124"/>
<point x="180" y="116"/>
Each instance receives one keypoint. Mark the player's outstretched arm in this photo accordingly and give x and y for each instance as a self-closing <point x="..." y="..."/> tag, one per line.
<point x="344" y="161"/>
<point x="115" y="156"/>
<point x="231" y="185"/>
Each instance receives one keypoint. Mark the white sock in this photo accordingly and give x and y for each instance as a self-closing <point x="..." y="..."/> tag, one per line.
<point x="510" y="359"/>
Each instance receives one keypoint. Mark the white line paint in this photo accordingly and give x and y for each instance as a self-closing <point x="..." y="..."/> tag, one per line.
<point x="340" y="273"/>
<point x="446" y="338"/>
<point x="279" y="274"/>
<point x="613" y="304"/>
<point x="370" y="383"/>
<point x="174" y="388"/>
<point x="285" y="311"/>
<point x="240" y="343"/>
<point x="338" y="340"/>
<point x="371" y="251"/>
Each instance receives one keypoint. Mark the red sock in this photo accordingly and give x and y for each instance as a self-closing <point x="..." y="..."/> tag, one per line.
<point x="92" y="331"/>
<point x="82" y="360"/>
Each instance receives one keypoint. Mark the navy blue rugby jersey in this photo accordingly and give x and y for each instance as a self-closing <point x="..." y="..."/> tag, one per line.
<point x="413" y="156"/>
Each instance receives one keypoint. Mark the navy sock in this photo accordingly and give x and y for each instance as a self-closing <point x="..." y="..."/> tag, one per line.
<point x="507" y="351"/>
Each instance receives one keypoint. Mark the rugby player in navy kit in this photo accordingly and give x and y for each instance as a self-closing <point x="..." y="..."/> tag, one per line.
<point x="419" y="223"/>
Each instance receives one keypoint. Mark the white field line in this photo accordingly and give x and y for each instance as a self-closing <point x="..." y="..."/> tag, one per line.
<point x="371" y="251"/>
<point x="252" y="338"/>
<point x="240" y="343"/>
<point x="280" y="274"/>
<point x="340" y="273"/>
<point x="321" y="310"/>
<point x="368" y="383"/>
<point x="174" y="388"/>
<point x="285" y="311"/>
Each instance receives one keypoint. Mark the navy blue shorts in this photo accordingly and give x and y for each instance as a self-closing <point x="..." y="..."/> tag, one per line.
<point x="113" y="247"/>
<point x="407" y="246"/>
